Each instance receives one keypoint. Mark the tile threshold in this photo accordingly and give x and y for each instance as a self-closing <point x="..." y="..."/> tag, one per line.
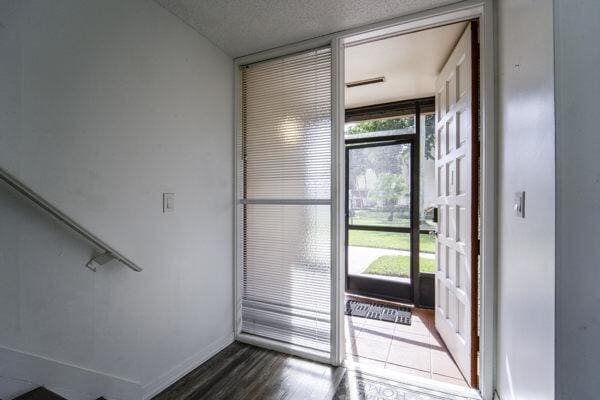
<point x="398" y="365"/>
<point x="424" y="383"/>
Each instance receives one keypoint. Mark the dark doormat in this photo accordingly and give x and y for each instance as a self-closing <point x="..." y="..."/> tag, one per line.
<point x="395" y="314"/>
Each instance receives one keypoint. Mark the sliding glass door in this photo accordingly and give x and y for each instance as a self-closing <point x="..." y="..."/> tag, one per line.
<point x="284" y="203"/>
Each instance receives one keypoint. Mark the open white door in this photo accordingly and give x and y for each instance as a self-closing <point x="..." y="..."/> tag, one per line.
<point x="453" y="180"/>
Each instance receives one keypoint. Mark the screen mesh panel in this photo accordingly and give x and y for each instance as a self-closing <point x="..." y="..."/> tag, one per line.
<point x="285" y="205"/>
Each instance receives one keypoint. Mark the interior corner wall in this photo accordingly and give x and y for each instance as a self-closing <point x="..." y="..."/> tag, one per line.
<point x="578" y="199"/>
<point x="104" y="106"/>
<point x="526" y="162"/>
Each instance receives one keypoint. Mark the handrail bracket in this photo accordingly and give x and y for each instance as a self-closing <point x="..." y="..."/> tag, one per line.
<point x="100" y="260"/>
<point x="110" y="253"/>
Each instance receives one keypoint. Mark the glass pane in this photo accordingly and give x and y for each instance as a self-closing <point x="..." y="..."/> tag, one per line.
<point x="379" y="185"/>
<point x="380" y="127"/>
<point x="286" y="146"/>
<point x="427" y="197"/>
<point x="379" y="254"/>
<point x="284" y="240"/>
<point x="427" y="253"/>
<point x="427" y="179"/>
<point x="286" y="257"/>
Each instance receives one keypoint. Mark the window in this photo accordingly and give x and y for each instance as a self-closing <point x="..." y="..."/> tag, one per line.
<point x="380" y="127"/>
<point x="427" y="196"/>
<point x="379" y="185"/>
<point x="285" y="200"/>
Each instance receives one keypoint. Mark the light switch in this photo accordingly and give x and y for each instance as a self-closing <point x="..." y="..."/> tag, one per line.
<point x="168" y="202"/>
<point x="519" y="204"/>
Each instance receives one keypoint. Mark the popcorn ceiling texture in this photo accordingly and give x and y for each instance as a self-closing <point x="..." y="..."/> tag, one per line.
<point x="241" y="27"/>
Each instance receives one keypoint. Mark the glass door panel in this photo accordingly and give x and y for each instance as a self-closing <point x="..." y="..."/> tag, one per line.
<point x="379" y="185"/>
<point x="379" y="219"/>
<point x="383" y="255"/>
<point x="427" y="197"/>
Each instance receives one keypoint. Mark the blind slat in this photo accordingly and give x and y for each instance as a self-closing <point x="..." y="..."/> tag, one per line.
<point x="285" y="239"/>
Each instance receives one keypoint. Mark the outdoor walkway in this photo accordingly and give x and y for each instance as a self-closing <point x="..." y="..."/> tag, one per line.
<point x="359" y="258"/>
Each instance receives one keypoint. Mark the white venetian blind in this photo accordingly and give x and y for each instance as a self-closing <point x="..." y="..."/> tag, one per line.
<point x="285" y="204"/>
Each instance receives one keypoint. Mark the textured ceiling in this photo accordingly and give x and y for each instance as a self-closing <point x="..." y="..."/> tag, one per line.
<point x="410" y="64"/>
<point x="241" y="27"/>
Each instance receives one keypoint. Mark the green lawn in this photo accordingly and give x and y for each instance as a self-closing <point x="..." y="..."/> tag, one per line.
<point x="379" y="218"/>
<point x="398" y="266"/>
<point x="389" y="240"/>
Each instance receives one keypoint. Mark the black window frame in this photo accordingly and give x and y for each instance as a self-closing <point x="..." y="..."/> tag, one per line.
<point x="381" y="287"/>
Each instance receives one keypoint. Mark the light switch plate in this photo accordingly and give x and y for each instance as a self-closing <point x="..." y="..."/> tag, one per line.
<point x="519" y="204"/>
<point x="168" y="202"/>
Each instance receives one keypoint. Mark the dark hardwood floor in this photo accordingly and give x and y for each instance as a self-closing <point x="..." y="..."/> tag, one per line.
<point x="246" y="372"/>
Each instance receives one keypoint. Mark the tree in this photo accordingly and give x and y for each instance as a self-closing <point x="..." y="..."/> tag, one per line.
<point x="377" y="125"/>
<point x="390" y="164"/>
<point x="388" y="190"/>
<point x="430" y="136"/>
<point x="403" y="122"/>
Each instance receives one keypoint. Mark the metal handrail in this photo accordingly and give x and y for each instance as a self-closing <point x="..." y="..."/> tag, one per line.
<point x="109" y="252"/>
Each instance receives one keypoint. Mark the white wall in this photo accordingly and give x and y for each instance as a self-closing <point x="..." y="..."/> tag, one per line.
<point x="525" y="353"/>
<point x="105" y="105"/>
<point x="578" y="199"/>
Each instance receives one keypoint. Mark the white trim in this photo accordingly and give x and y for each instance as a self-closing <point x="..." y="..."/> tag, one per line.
<point x="484" y="10"/>
<point x="61" y="375"/>
<point x="487" y="198"/>
<point x="334" y="224"/>
<point x="338" y="170"/>
<point x="237" y="132"/>
<point x="294" y="350"/>
<point x="325" y="202"/>
<point x="153" y="388"/>
<point x="283" y="51"/>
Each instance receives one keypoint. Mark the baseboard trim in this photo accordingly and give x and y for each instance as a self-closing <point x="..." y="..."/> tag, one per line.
<point x="22" y="365"/>
<point x="179" y="371"/>
<point x="44" y="371"/>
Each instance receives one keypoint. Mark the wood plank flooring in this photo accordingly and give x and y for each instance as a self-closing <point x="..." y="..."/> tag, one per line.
<point x="246" y="372"/>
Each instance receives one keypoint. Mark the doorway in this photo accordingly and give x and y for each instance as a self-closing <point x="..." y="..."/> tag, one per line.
<point x="412" y="209"/>
<point x="338" y="42"/>
<point x="390" y="216"/>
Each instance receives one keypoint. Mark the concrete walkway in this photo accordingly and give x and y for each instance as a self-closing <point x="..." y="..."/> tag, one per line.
<point x="359" y="258"/>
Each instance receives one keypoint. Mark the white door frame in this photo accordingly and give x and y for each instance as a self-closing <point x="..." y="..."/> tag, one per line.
<point x="484" y="11"/>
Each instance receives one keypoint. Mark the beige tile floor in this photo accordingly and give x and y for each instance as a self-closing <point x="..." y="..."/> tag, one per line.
<point x="416" y="349"/>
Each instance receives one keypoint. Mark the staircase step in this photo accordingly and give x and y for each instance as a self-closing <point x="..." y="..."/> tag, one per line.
<point x="40" y="394"/>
